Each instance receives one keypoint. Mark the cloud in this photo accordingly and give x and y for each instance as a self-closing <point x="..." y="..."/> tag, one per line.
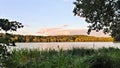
<point x="63" y="31"/>
<point x="64" y="25"/>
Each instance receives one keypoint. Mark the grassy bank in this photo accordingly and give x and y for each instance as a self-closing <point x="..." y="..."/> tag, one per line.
<point x="75" y="58"/>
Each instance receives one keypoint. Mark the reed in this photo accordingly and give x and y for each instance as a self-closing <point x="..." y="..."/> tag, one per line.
<point x="74" y="58"/>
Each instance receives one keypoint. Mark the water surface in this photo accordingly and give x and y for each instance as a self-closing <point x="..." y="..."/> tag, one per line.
<point x="66" y="45"/>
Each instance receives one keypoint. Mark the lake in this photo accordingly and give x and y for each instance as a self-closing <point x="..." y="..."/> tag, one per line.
<point x="65" y="45"/>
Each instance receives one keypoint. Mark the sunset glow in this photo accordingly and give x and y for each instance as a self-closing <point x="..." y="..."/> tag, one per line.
<point x="45" y="17"/>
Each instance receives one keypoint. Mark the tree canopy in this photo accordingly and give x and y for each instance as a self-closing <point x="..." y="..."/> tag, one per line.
<point x="7" y="25"/>
<point x="101" y="15"/>
<point x="6" y="40"/>
<point x="62" y="38"/>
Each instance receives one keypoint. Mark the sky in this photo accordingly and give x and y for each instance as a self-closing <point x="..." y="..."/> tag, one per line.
<point x="45" y="17"/>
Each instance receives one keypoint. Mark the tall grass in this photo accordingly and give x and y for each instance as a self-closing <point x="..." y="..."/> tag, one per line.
<point x="75" y="58"/>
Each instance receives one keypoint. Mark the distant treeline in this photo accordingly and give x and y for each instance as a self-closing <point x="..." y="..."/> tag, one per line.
<point x="72" y="38"/>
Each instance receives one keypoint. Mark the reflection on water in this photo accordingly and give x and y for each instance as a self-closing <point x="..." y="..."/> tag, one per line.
<point x="66" y="45"/>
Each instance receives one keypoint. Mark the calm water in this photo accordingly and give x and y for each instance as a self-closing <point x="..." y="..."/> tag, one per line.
<point x="66" y="45"/>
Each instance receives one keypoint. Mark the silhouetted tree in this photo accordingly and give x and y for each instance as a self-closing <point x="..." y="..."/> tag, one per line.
<point x="5" y="40"/>
<point x="101" y="14"/>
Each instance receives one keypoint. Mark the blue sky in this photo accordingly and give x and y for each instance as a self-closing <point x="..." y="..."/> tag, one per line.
<point x="44" y="17"/>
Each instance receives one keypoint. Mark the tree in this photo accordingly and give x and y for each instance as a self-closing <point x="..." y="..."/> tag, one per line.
<point x="101" y="15"/>
<point x="6" y="40"/>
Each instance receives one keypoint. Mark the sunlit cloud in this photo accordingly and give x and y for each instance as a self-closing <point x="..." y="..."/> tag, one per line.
<point x="63" y="31"/>
<point x="64" y="25"/>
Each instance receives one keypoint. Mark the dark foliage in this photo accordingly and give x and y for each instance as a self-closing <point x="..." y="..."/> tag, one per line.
<point x="7" y="25"/>
<point x="101" y="14"/>
<point x="5" y="40"/>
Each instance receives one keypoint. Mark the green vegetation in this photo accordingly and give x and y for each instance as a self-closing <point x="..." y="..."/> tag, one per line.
<point x="75" y="58"/>
<point x="5" y="39"/>
<point x="67" y="38"/>
<point x="101" y="15"/>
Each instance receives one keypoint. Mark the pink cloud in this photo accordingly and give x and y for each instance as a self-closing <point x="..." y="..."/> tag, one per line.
<point x="64" y="26"/>
<point x="63" y="31"/>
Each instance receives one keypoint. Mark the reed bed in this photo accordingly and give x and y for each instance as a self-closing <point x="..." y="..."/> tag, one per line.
<point x="74" y="58"/>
